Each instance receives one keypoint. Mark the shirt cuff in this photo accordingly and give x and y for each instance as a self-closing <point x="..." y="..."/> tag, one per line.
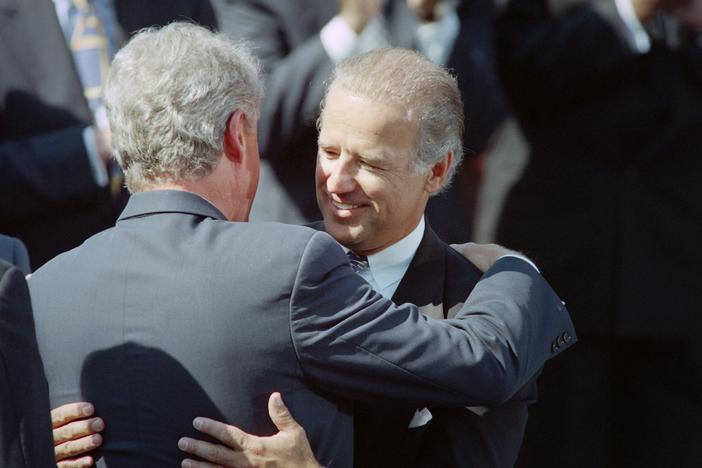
<point x="637" y="37"/>
<point x="99" y="169"/>
<point x="338" y="39"/>
<point x="522" y="257"/>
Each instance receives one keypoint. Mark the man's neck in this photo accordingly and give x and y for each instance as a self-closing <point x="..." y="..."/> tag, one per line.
<point x="219" y="198"/>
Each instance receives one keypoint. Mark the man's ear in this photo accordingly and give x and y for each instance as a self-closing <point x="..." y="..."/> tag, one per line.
<point x="234" y="137"/>
<point x="436" y="178"/>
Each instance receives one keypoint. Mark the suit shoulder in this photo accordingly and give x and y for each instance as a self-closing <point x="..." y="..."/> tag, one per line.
<point x="288" y="240"/>
<point x="269" y="230"/>
<point x="65" y="261"/>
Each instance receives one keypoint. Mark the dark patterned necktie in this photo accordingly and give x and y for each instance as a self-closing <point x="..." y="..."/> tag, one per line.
<point x="359" y="263"/>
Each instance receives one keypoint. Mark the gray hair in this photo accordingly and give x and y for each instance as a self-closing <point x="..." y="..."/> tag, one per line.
<point x="427" y="91"/>
<point x="169" y="94"/>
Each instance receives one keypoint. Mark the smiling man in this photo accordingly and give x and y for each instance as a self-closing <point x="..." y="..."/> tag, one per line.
<point x="372" y="187"/>
<point x="390" y="137"/>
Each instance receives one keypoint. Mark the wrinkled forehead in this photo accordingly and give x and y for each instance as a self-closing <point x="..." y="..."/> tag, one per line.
<point x="352" y="112"/>
<point x="369" y="130"/>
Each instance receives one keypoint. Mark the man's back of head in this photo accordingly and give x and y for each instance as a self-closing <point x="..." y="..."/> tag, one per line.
<point x="169" y="95"/>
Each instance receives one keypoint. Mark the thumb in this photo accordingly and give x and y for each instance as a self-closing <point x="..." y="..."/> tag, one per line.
<point x="279" y="413"/>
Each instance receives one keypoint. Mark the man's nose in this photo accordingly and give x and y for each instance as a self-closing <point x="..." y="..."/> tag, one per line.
<point x="341" y="176"/>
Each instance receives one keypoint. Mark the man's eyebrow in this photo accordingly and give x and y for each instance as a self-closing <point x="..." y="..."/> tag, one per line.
<point x="376" y="156"/>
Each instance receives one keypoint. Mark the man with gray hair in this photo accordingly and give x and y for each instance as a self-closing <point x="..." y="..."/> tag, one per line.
<point x="390" y="137"/>
<point x="193" y="311"/>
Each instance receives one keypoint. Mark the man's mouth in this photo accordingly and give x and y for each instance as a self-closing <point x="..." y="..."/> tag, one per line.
<point x="344" y="206"/>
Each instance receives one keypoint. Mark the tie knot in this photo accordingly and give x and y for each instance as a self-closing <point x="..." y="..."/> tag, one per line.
<point x="359" y="263"/>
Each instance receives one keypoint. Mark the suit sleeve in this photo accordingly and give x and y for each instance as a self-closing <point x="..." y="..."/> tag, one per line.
<point x="353" y="342"/>
<point x="25" y="428"/>
<point x="294" y="76"/>
<point x="43" y="171"/>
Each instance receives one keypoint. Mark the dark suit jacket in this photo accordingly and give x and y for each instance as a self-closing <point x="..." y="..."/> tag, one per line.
<point x="610" y="204"/>
<point x="25" y="427"/>
<point x="286" y="36"/>
<point x="176" y="312"/>
<point x="48" y="195"/>
<point x="436" y="281"/>
<point x="12" y="250"/>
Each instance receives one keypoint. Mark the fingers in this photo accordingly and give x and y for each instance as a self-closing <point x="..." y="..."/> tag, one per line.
<point x="74" y="434"/>
<point x="482" y="255"/>
<point x="77" y="447"/>
<point x="234" y="437"/>
<point x="279" y="413"/>
<point x="70" y="412"/>
<point x="230" y="456"/>
<point x="217" y="454"/>
<point x="188" y="463"/>
<point x="77" y="429"/>
<point x="474" y="254"/>
<point x="77" y="463"/>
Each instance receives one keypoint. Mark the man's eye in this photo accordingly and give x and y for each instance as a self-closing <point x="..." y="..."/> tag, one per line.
<point x="370" y="166"/>
<point x="328" y="152"/>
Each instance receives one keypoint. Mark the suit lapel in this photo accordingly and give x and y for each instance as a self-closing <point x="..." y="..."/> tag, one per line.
<point x="423" y="283"/>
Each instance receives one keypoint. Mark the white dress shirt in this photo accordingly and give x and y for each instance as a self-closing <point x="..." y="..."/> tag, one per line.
<point x="387" y="267"/>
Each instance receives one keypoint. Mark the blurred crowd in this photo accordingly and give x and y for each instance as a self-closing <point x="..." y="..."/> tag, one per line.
<point x="583" y="124"/>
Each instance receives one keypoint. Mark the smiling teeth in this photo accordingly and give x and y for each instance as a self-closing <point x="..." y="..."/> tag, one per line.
<point x="344" y="206"/>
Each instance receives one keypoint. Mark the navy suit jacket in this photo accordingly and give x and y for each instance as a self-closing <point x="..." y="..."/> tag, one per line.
<point x="176" y="312"/>
<point x="437" y="281"/>
<point x="25" y="427"/>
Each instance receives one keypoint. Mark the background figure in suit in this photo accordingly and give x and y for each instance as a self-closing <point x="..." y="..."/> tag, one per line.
<point x="54" y="153"/>
<point x="299" y="42"/>
<point x="12" y="250"/>
<point x="372" y="189"/>
<point x="248" y="308"/>
<point x="610" y="205"/>
<point x="25" y="428"/>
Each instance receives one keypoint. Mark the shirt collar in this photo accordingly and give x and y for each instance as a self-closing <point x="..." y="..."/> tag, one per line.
<point x="390" y="264"/>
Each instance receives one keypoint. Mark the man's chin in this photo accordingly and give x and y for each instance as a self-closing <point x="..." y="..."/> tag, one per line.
<point x="345" y="234"/>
